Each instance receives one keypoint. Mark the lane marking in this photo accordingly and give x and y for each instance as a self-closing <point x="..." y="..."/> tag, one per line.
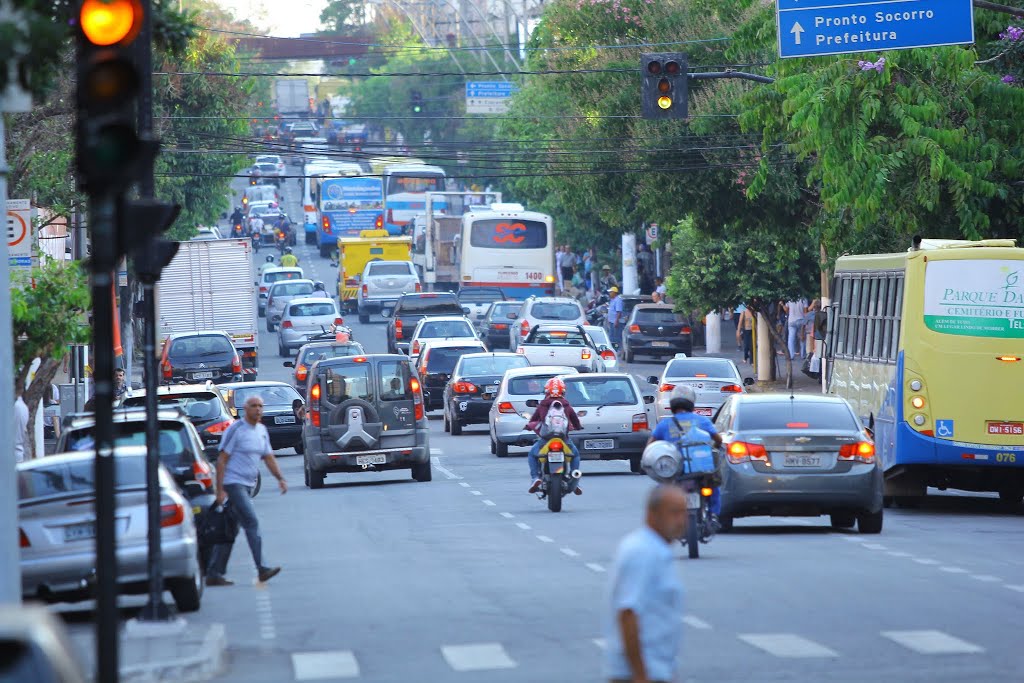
<point x="897" y="553"/>
<point x="985" y="578"/>
<point x="443" y="470"/>
<point x="435" y="451"/>
<point x="507" y="515"/>
<point x="932" y="642"/>
<point x="595" y="567"/>
<point x="570" y="552"/>
<point x="696" y="622"/>
<point x="524" y="527"/>
<point x="787" y="645"/>
<point x="926" y="561"/>
<point x="600" y="642"/>
<point x="873" y="546"/>
<point x="1019" y="589"/>
<point x="476" y="493"/>
<point x="953" y="570"/>
<point x="488" y="502"/>
<point x="463" y="484"/>
<point x="477" y="657"/>
<point x="545" y="539"/>
<point x="318" y="666"/>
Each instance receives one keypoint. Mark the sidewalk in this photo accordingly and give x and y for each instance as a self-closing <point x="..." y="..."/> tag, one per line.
<point x="173" y="652"/>
<point x="802" y="384"/>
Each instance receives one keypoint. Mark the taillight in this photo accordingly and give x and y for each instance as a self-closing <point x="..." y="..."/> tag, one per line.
<point x="286" y="324"/>
<point x="325" y="223"/>
<point x="366" y="291"/>
<point x="236" y="364"/>
<point x="740" y="451"/>
<point x="263" y="290"/>
<point x="732" y="389"/>
<point x="521" y="350"/>
<point x="167" y="369"/>
<point x="556" y="446"/>
<point x="417" y="398"/>
<point x="862" y="451"/>
<point x="507" y="408"/>
<point x="707" y="491"/>
<point x="666" y="387"/>
<point x="300" y="373"/>
<point x="23" y="539"/>
<point x="500" y="326"/>
<point x="379" y="223"/>
<point x="425" y="359"/>
<point x="218" y="428"/>
<point x="607" y="354"/>
<point x="419" y="288"/>
<point x="203" y="473"/>
<point x="635" y="329"/>
<point x="172" y="514"/>
<point x="416" y="347"/>
<point x="339" y="321"/>
<point x="640" y="422"/>
<point x="524" y="328"/>
<point x="465" y="388"/>
<point x="685" y="330"/>
<point x="398" y="329"/>
<point x="585" y="354"/>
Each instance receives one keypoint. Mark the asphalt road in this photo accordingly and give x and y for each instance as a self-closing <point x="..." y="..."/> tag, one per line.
<point x="470" y="578"/>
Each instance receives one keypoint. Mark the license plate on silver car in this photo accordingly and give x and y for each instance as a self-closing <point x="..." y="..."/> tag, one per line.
<point x="598" y="444"/>
<point x="80" y="532"/>
<point x="802" y="461"/>
<point x="660" y="344"/>
<point x="372" y="459"/>
<point x="284" y="420"/>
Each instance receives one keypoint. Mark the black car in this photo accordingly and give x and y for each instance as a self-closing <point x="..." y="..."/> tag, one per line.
<point x="495" y="323"/>
<point x="200" y="356"/>
<point x="280" y="416"/>
<point x="314" y="351"/>
<point x="656" y="330"/>
<point x="202" y="404"/>
<point x="473" y="385"/>
<point x="410" y="309"/>
<point x="435" y="364"/>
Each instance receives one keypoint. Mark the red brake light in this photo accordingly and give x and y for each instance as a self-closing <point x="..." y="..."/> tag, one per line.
<point x="635" y="329"/>
<point x="556" y="446"/>
<point x="23" y="539"/>
<point x="314" y="405"/>
<point x="640" y="422"/>
<point x="500" y="326"/>
<point x="464" y="388"/>
<point x="416" y="347"/>
<point x="417" y="398"/>
<point x="203" y="473"/>
<point x="797" y="425"/>
<point x="685" y="330"/>
<point x="864" y="451"/>
<point x="379" y="223"/>
<point x="171" y="514"/>
<point x="263" y="289"/>
<point x="419" y="288"/>
<point x="608" y="354"/>
<point x="236" y="364"/>
<point x="507" y="408"/>
<point x="732" y="389"/>
<point x="740" y="451"/>
<point x="358" y="359"/>
<point x="666" y="387"/>
<point x="366" y="291"/>
<point x="218" y="428"/>
<point x="339" y="321"/>
<point x="699" y="374"/>
<point x="167" y="369"/>
<point x="286" y="324"/>
<point x="301" y="372"/>
<point x="524" y="328"/>
<point x="398" y="329"/>
<point x="326" y="224"/>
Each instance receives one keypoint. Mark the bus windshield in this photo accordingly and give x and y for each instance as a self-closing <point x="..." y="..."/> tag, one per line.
<point x="415" y="184"/>
<point x="500" y="233"/>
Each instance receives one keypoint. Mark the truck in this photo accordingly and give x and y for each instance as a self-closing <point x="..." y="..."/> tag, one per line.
<point x="355" y="252"/>
<point x="567" y="345"/>
<point x="291" y="95"/>
<point x="437" y="236"/>
<point x="209" y="285"/>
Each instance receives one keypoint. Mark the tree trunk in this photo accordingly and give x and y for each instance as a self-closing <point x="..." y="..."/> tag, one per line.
<point x="778" y="342"/>
<point x="45" y="373"/>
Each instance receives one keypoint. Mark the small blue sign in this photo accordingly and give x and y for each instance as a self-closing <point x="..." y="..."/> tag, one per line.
<point x="944" y="429"/>
<point x="811" y="28"/>
<point x="19" y="261"/>
<point x="490" y="88"/>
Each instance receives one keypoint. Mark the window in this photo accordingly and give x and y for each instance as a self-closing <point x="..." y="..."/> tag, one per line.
<point x="698" y="367"/>
<point x="442" y="360"/>
<point x="198" y="406"/>
<point x="556" y="311"/>
<point x="312" y="309"/>
<point x="429" y="304"/>
<point x="559" y="338"/>
<point x="491" y="365"/>
<point x="415" y="184"/>
<point x="532" y="385"/>
<point x="394" y="381"/>
<point x="278" y="275"/>
<point x="794" y="414"/>
<point x="342" y="382"/>
<point x="291" y="289"/>
<point x="316" y="353"/>
<point x="390" y="269"/>
<point x="865" y="322"/>
<point x="480" y="295"/>
<point x="204" y="346"/>
<point x="445" y="328"/>
<point x="650" y="316"/>
<point x="614" y="391"/>
<point x="172" y="441"/>
<point x="276" y="396"/>
<point x="499" y="233"/>
<point x="77" y="477"/>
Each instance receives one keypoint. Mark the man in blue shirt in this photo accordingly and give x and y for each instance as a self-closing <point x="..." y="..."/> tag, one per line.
<point x="643" y="630"/>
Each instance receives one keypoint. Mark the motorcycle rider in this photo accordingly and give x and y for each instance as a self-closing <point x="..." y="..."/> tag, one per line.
<point x="268" y="263"/>
<point x="237" y="218"/>
<point x="256" y="226"/>
<point x="554" y="390"/>
<point x="288" y="259"/>
<point x="681" y="404"/>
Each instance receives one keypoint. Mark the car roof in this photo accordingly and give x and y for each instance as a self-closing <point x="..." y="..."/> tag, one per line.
<point x="251" y="385"/>
<point x="198" y="333"/>
<point x="552" y="299"/>
<point x="324" y="344"/>
<point x="493" y="354"/>
<point x="385" y="262"/>
<point x="130" y="414"/>
<point x="428" y="295"/>
<point x="444" y="319"/>
<point x="311" y="300"/>
<point x="603" y="375"/>
<point x="79" y="456"/>
<point x="278" y="269"/>
<point x="786" y="398"/>
<point x="699" y="359"/>
<point x="367" y="358"/>
<point x="557" y="327"/>
<point x="541" y="370"/>
<point x="652" y="307"/>
<point x="452" y="343"/>
<point x="291" y="282"/>
<point x="175" y="389"/>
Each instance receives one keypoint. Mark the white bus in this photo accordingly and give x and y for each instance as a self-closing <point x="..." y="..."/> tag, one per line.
<point x="405" y="193"/>
<point x="507" y="247"/>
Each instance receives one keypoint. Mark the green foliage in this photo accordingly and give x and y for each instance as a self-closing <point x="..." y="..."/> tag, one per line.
<point x="343" y="16"/>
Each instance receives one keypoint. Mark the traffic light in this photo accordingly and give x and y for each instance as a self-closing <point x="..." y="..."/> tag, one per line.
<point x="110" y="152"/>
<point x="140" y="224"/>
<point x="664" y="85"/>
<point x="416" y="102"/>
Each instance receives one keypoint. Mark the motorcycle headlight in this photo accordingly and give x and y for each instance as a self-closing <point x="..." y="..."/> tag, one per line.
<point x="665" y="467"/>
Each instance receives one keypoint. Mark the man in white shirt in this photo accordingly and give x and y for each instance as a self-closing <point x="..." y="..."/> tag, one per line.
<point x="20" y="426"/>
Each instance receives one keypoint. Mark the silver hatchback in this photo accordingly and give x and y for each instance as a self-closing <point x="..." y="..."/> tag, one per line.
<point x="613" y="411"/>
<point x="303" y="318"/>
<point x="509" y="412"/>
<point x="280" y="295"/>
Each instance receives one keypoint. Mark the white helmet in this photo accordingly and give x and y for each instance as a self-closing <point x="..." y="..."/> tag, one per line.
<point x="661" y="461"/>
<point x="684" y="391"/>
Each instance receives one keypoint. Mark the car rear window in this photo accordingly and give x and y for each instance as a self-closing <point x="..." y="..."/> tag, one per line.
<point x="172" y="439"/>
<point x="395" y="384"/>
<point x="599" y="336"/>
<point x="495" y="365"/>
<point x="389" y="269"/>
<point x="77" y="477"/>
<point x="198" y="407"/>
<point x="311" y="356"/>
<point x="610" y="391"/>
<point x="445" y="328"/>
<point x="443" y="359"/>
<point x="794" y="414"/>
<point x="531" y="385"/>
<point x="430" y="305"/>
<point x="276" y="396"/>
<point x="502" y="310"/>
<point x="342" y="382"/>
<point x="698" y="367"/>
<point x="560" y="338"/>
<point x="278" y="275"/>
<point x="291" y="289"/>
<point x="311" y="309"/>
<point x="654" y="317"/>
<point x="556" y="311"/>
<point x="203" y="346"/>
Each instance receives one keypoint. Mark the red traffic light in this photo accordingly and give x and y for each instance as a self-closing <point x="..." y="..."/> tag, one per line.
<point x="672" y="68"/>
<point x="654" y="68"/>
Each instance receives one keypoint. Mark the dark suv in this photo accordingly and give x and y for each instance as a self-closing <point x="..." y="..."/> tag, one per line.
<point x="364" y="413"/>
<point x="656" y="330"/>
<point x="410" y="309"/>
<point x="200" y="356"/>
<point x="202" y="404"/>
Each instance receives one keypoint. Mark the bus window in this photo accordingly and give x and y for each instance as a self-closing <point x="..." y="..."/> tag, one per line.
<point x="398" y="184"/>
<point x="499" y="233"/>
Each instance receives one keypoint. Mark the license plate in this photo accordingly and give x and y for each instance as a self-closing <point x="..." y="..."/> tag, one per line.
<point x="80" y="532"/>
<point x="1006" y="428"/>
<point x="598" y="444"/>
<point x="693" y="501"/>
<point x="493" y="389"/>
<point x="703" y="411"/>
<point x="371" y="459"/>
<point x="556" y="457"/>
<point x="660" y="344"/>
<point x="802" y="461"/>
<point x="202" y="375"/>
<point x="284" y="420"/>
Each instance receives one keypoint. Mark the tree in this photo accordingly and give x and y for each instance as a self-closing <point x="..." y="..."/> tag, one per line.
<point x="47" y="315"/>
<point x="346" y="17"/>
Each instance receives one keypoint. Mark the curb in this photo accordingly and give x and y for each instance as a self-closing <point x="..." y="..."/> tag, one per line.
<point x="208" y="661"/>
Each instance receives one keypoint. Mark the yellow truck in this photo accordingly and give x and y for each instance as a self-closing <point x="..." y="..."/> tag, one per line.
<point x="355" y="252"/>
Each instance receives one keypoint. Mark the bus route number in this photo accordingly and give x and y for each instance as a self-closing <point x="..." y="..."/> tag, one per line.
<point x="1006" y="457"/>
<point x="535" y="276"/>
<point x="509" y="232"/>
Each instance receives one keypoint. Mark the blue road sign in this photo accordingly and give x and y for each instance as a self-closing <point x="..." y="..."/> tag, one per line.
<point x="809" y="28"/>
<point x="490" y="88"/>
<point x="19" y="261"/>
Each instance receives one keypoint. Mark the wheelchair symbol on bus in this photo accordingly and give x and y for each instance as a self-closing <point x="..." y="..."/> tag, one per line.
<point x="944" y="428"/>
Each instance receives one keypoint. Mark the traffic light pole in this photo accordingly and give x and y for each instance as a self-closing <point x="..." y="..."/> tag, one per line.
<point x="103" y="222"/>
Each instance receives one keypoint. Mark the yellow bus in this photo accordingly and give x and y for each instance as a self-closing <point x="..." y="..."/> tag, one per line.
<point x="927" y="345"/>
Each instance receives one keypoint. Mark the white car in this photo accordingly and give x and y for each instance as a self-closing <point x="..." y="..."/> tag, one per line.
<point x="509" y="412"/>
<point x="559" y="310"/>
<point x="271" y="159"/>
<point x="447" y="327"/>
<point x="599" y="335"/>
<point x="269" y="277"/>
<point x="713" y="381"/>
<point x="613" y="411"/>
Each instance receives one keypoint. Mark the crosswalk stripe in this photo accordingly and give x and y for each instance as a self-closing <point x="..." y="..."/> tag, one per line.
<point x="318" y="666"/>
<point x="696" y="622"/>
<point x="477" y="657"/>
<point x="786" y="645"/>
<point x="932" y="642"/>
<point x="600" y="642"/>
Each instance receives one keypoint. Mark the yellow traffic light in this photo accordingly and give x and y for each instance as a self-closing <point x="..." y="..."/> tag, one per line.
<point x="664" y="101"/>
<point x="109" y="22"/>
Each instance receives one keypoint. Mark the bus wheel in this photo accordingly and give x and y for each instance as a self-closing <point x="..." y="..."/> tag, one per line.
<point x="1011" y="496"/>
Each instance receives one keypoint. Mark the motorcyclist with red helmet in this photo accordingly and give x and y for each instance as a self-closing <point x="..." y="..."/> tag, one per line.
<point x="554" y="390"/>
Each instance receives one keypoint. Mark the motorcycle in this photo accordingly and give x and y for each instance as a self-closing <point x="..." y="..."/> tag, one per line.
<point x="236" y="230"/>
<point x="281" y="239"/>
<point x="256" y="241"/>
<point x="556" y="479"/>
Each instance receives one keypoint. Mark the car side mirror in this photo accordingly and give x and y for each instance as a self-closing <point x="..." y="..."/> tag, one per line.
<point x="649" y="398"/>
<point x="532" y="403"/>
<point x="288" y="364"/>
<point x="652" y="379"/>
<point x="465" y="310"/>
<point x="193" y="489"/>
<point x="748" y="381"/>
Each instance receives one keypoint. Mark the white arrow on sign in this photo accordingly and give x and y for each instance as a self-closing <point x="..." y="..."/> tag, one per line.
<point x="796" y="31"/>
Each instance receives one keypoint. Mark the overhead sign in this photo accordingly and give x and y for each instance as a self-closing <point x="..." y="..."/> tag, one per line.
<point x="810" y="28"/>
<point x="489" y="97"/>
<point x="19" y="232"/>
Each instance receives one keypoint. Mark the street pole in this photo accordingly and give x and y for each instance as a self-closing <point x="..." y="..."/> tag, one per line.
<point x="156" y="609"/>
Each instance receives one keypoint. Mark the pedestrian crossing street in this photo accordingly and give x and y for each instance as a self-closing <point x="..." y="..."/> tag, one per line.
<point x="479" y="657"/>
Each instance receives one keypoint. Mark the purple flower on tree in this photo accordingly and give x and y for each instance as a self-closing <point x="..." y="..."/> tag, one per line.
<point x="1012" y="33"/>
<point x="868" y="66"/>
<point x="1008" y="78"/>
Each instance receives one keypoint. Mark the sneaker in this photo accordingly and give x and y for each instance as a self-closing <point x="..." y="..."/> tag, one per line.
<point x="267" y="573"/>
<point x="537" y="483"/>
<point x="578" y="490"/>
<point x="219" y="581"/>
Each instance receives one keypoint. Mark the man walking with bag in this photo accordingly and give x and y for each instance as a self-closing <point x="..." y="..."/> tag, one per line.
<point x="242" y="447"/>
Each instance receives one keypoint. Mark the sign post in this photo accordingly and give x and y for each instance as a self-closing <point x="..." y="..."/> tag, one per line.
<point x="811" y="28"/>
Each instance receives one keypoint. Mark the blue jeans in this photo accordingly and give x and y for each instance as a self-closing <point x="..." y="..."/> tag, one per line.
<point x="244" y="511"/>
<point x="797" y="342"/>
<point x="534" y="458"/>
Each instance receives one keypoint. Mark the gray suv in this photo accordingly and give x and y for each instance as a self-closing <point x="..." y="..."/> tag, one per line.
<point x="364" y="413"/>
